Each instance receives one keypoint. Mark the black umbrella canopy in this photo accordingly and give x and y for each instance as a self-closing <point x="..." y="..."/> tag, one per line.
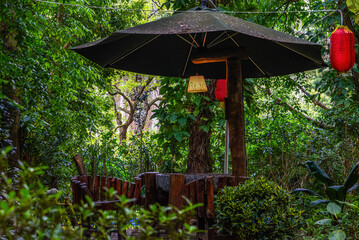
<point x="165" y="47"/>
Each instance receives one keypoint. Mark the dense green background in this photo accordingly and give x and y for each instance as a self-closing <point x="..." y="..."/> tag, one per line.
<point x="55" y="104"/>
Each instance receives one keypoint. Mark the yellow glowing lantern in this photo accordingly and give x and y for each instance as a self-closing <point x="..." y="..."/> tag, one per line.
<point x="197" y="84"/>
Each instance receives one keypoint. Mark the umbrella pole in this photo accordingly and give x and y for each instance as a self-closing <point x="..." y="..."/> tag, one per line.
<point x="226" y="150"/>
<point x="235" y="116"/>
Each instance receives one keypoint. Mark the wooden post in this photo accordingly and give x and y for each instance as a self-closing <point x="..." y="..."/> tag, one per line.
<point x="150" y="193"/>
<point x="200" y="187"/>
<point x="109" y="184"/>
<point x="96" y="191"/>
<point x="74" y="192"/>
<point x="119" y="187"/>
<point x="81" y="169"/>
<point x="210" y="209"/>
<point x="124" y="187"/>
<point x="137" y="193"/>
<point x="190" y="192"/>
<point x="210" y="197"/>
<point x="131" y="190"/>
<point x="231" y="181"/>
<point x="176" y="189"/>
<point x="235" y="116"/>
<point x="90" y="183"/>
<point x="222" y="182"/>
<point x="103" y="188"/>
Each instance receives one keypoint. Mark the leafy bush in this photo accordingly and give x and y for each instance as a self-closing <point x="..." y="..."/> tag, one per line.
<point x="334" y="192"/>
<point x="338" y="220"/>
<point x="257" y="209"/>
<point x="28" y="212"/>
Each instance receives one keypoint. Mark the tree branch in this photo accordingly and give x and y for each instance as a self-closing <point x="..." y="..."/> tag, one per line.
<point x="149" y="80"/>
<point x="279" y="101"/>
<point x="125" y="97"/>
<point x="314" y="100"/>
<point x="154" y="101"/>
<point x="124" y="110"/>
<point x="287" y="3"/>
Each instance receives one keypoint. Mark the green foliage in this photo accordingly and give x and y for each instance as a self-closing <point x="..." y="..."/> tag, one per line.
<point x="28" y="212"/>
<point x="343" y="222"/>
<point x="147" y="222"/>
<point x="104" y="155"/>
<point x="257" y="209"/>
<point x="167" y="218"/>
<point x="177" y="114"/>
<point x="61" y="96"/>
<point x="353" y="6"/>
<point x="333" y="192"/>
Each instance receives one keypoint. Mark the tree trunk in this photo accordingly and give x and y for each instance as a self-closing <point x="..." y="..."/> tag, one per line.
<point x="11" y="123"/>
<point x="10" y="115"/>
<point x="199" y="160"/>
<point x="123" y="133"/>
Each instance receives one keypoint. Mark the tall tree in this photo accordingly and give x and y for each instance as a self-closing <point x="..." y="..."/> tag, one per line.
<point x="136" y="102"/>
<point x="51" y="96"/>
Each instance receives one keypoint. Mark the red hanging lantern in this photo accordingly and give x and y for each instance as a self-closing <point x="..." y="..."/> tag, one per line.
<point x="342" y="52"/>
<point x="221" y="89"/>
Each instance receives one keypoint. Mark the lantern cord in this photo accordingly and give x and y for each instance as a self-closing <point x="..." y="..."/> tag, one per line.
<point x="322" y="18"/>
<point x="167" y="11"/>
<point x="341" y="17"/>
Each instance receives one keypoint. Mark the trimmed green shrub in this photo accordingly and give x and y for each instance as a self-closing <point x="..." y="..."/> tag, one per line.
<point x="257" y="209"/>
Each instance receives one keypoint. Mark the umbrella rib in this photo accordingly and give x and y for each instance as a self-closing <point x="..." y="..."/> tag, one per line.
<point x="209" y="45"/>
<point x="204" y="40"/>
<point x="185" y="66"/>
<point x="255" y="64"/>
<point x="186" y="41"/>
<point x="132" y="51"/>
<point x="235" y="42"/>
<point x="310" y="58"/>
<point x="229" y="36"/>
<point x="194" y="39"/>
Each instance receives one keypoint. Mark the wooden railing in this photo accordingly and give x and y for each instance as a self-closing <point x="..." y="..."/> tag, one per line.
<point x="201" y="191"/>
<point x="97" y="189"/>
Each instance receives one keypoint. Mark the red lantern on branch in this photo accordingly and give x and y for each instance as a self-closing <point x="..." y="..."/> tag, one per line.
<point x="221" y="89"/>
<point x="342" y="52"/>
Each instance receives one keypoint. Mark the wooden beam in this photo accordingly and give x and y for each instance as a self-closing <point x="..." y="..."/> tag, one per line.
<point x="219" y="55"/>
<point x="235" y="117"/>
